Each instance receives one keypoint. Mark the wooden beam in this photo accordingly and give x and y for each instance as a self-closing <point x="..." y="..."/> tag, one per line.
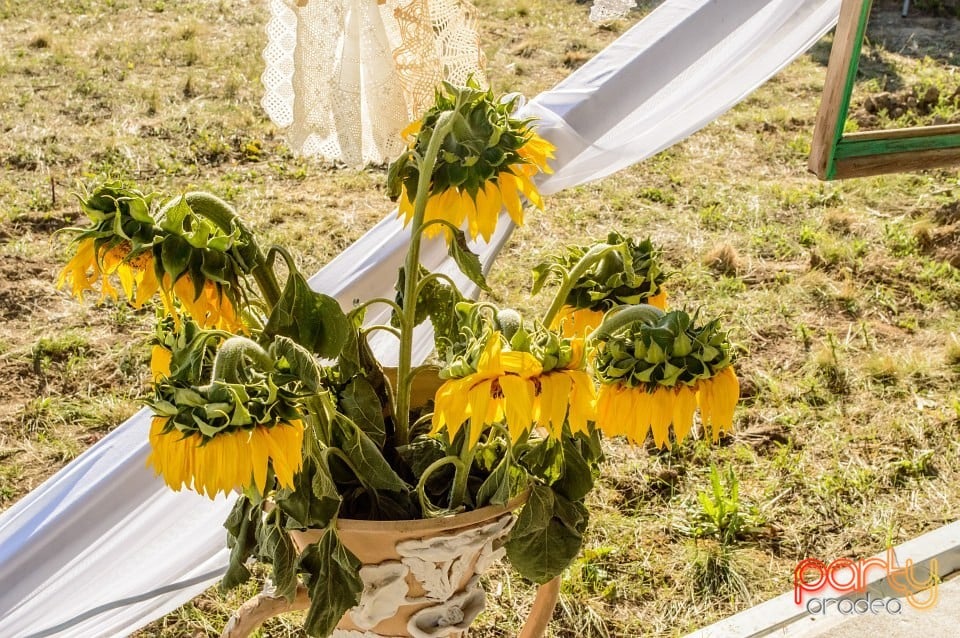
<point x="838" y="86"/>
<point x="896" y="162"/>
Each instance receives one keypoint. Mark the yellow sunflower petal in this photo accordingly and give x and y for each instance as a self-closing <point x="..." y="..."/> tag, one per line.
<point x="662" y="414"/>
<point x="160" y="359"/>
<point x="659" y="300"/>
<point x="259" y="452"/>
<point x="685" y="404"/>
<point x="478" y="397"/>
<point x="511" y="200"/>
<point x="705" y="402"/>
<point x="582" y="400"/>
<point x="605" y="421"/>
<point x="555" y="391"/>
<point x="520" y="363"/>
<point x="642" y="406"/>
<point x="518" y="404"/>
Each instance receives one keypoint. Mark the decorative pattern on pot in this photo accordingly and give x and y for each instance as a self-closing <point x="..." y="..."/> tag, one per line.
<point x="438" y="575"/>
<point x="441" y="563"/>
<point x="450" y="617"/>
<point x="385" y="588"/>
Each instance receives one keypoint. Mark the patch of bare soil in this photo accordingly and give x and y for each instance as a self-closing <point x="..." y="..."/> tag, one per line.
<point x="919" y="102"/>
<point x="941" y="239"/>
<point x="930" y="29"/>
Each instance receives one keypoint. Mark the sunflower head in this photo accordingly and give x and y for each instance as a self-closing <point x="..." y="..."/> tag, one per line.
<point x="656" y="368"/>
<point x="116" y="244"/>
<point x="518" y="375"/>
<point x="486" y="161"/>
<point x="627" y="272"/>
<point x="247" y="421"/>
<point x="189" y="250"/>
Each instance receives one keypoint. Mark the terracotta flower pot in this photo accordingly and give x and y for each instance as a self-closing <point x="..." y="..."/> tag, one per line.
<point x="420" y="577"/>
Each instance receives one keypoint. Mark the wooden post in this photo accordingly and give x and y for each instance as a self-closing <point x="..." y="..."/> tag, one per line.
<point x="838" y="86"/>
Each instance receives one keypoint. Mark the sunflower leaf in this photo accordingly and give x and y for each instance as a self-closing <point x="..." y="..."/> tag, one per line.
<point x="333" y="579"/>
<point x="277" y="547"/>
<point x="467" y="261"/>
<point x="242" y="540"/>
<point x="314" y="499"/>
<point x="175" y="256"/>
<point x="495" y="490"/>
<point x="313" y="320"/>
<point x="547" y="536"/>
<point x="367" y="459"/>
<point x="577" y="478"/>
<point x="360" y="403"/>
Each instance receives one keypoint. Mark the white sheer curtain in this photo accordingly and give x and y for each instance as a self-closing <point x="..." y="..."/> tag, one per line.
<point x="103" y="548"/>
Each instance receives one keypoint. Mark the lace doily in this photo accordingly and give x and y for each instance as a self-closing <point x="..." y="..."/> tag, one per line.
<point x="610" y="10"/>
<point x="344" y="77"/>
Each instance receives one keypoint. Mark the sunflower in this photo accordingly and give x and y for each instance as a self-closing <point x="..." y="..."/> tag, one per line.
<point x="502" y="388"/>
<point x="635" y="411"/>
<point x="233" y="459"/>
<point x="160" y="359"/>
<point x="487" y="160"/>
<point x="481" y="209"/>
<point x="137" y="273"/>
<point x="564" y="395"/>
<point x="211" y="308"/>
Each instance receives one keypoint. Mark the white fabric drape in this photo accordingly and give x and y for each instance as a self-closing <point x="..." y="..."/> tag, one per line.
<point x="103" y="547"/>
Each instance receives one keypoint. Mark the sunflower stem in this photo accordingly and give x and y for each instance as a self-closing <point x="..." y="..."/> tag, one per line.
<point x="592" y="256"/>
<point x="226" y="218"/>
<point x="229" y="362"/>
<point x="467" y="452"/>
<point x="412" y="278"/>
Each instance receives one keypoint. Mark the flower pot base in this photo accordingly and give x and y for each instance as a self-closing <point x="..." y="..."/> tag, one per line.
<point x="421" y="578"/>
<point x="265" y="606"/>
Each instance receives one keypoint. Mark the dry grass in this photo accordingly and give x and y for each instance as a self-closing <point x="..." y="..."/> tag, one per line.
<point x="841" y="297"/>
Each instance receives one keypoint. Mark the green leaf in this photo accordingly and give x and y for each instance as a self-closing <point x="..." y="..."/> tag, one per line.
<point x="360" y="403"/>
<point x="373" y="470"/>
<point x="543" y="459"/>
<point x="313" y="320"/>
<point x="333" y="580"/>
<point x="314" y="500"/>
<point x="277" y="547"/>
<point x="301" y="362"/>
<point x="495" y="490"/>
<point x="547" y="536"/>
<point x="577" y="478"/>
<point x="175" y="256"/>
<point x="242" y="540"/>
<point x="174" y="214"/>
<point x="467" y="261"/>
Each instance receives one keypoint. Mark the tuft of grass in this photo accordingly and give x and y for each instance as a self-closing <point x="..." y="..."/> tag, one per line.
<point x="952" y="353"/>
<point x="835" y="377"/>
<point x="40" y="41"/>
<point x="724" y="260"/>
<point x="714" y="571"/>
<point x="918" y="466"/>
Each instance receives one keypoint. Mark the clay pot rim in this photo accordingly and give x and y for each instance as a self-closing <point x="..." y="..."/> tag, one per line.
<point x="439" y="524"/>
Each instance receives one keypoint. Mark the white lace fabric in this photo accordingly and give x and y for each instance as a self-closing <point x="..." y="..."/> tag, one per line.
<point x="603" y="11"/>
<point x="344" y="77"/>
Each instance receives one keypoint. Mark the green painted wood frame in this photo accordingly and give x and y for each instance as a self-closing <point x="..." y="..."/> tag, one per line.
<point x="834" y="155"/>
